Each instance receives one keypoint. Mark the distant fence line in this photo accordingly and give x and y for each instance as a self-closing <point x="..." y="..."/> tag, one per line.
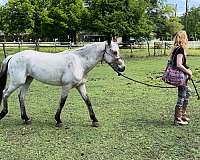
<point x="40" y="44"/>
<point x="158" y="46"/>
<point x="145" y="44"/>
<point x="192" y="44"/>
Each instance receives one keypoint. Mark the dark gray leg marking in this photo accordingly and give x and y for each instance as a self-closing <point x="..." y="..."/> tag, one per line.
<point x="63" y="97"/>
<point x="5" y="107"/>
<point x="6" y="93"/>
<point x="83" y="93"/>
<point x="57" y="116"/>
<point x="90" y="109"/>
<point x="23" y="109"/>
<point x="21" y="96"/>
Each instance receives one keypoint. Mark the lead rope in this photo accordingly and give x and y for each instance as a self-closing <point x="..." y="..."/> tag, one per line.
<point x="150" y="85"/>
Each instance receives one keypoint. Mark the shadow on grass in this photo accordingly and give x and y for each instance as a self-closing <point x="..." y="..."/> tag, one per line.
<point x="155" y="122"/>
<point x="145" y="123"/>
<point x="10" y="122"/>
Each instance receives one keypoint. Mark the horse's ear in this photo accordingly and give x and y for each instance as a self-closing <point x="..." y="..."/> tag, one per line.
<point x="109" y="40"/>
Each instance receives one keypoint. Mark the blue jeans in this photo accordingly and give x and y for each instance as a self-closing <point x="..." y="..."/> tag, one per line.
<point x="184" y="92"/>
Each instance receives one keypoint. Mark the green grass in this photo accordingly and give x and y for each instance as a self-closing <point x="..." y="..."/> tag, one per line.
<point x="136" y="121"/>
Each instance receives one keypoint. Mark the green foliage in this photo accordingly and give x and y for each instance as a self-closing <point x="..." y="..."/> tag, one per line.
<point x="64" y="19"/>
<point x="1" y="17"/>
<point x="18" y="17"/>
<point x="173" y="25"/>
<point x="125" y="17"/>
<point x="165" y="24"/>
<point x="193" y="19"/>
<point x="53" y="23"/>
<point x="75" y="11"/>
<point x="39" y="8"/>
<point x="197" y="35"/>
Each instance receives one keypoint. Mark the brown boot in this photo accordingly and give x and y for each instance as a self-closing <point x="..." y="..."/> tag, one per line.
<point x="184" y="115"/>
<point x="178" y="116"/>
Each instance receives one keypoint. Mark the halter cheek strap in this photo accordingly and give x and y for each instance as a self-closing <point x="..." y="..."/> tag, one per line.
<point x="105" y="52"/>
<point x="103" y="55"/>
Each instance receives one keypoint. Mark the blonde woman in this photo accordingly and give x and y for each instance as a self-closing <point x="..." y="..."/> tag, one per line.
<point x="178" y="58"/>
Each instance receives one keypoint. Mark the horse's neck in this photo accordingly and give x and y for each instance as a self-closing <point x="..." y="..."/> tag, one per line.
<point x="92" y="56"/>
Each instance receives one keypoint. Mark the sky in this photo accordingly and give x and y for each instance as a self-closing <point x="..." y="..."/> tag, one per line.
<point x="181" y="5"/>
<point x="3" y="1"/>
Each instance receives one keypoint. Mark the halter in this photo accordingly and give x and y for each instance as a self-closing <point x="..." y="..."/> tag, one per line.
<point x="105" y="52"/>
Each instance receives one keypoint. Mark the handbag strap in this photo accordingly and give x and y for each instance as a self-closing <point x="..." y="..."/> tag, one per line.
<point x="173" y="56"/>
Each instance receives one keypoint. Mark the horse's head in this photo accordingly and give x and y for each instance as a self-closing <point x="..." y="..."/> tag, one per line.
<point x="113" y="58"/>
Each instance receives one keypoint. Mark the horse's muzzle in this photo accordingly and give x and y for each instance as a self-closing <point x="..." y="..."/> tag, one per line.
<point x="121" y="69"/>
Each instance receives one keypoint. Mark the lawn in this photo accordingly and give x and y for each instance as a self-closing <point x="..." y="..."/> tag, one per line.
<point x="136" y="121"/>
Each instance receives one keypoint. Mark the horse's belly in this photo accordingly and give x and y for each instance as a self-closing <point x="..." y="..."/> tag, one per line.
<point x="48" y="77"/>
<point x="49" y="81"/>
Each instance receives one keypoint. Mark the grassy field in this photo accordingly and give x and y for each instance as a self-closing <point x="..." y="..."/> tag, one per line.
<point x="136" y="121"/>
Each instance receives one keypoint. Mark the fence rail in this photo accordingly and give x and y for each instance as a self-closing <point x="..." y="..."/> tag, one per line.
<point x="144" y="44"/>
<point x="192" y="44"/>
<point x="41" y="44"/>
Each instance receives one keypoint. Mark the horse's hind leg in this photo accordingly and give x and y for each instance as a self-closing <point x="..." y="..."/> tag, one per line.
<point x="63" y="98"/>
<point x="83" y="93"/>
<point x="6" y="93"/>
<point x="21" y="95"/>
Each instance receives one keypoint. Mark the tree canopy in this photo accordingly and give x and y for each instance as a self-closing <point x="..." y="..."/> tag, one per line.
<point x="64" y="19"/>
<point x="193" y="23"/>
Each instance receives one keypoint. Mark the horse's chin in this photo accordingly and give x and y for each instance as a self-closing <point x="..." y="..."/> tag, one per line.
<point x="118" y="68"/>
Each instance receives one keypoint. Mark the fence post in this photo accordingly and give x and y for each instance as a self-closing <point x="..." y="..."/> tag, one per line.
<point x="70" y="44"/>
<point x="19" y="46"/>
<point x="165" y="48"/>
<point x="131" y="47"/>
<point x="148" y="48"/>
<point x="36" y="46"/>
<point x="55" y="45"/>
<point x="4" y="50"/>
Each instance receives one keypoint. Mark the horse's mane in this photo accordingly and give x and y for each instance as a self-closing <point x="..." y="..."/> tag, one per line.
<point x="81" y="51"/>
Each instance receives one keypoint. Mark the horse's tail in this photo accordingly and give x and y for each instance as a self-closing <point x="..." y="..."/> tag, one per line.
<point x="3" y="75"/>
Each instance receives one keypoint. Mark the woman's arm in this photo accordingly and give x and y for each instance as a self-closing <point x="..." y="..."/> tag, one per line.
<point x="179" y="64"/>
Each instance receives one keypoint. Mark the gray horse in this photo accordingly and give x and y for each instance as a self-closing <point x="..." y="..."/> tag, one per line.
<point x="67" y="69"/>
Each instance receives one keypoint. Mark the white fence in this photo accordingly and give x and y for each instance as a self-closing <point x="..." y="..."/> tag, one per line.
<point x="192" y="44"/>
<point x="40" y="44"/>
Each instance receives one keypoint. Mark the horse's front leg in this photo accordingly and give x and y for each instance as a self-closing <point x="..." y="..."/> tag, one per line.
<point x="64" y="94"/>
<point x="83" y="93"/>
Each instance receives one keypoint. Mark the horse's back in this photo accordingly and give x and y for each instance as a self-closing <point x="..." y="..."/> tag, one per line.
<point x="34" y="59"/>
<point x="45" y="67"/>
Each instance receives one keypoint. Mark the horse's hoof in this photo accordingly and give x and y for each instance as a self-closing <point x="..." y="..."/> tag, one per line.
<point x="27" y="122"/>
<point x="67" y="128"/>
<point x="95" y="124"/>
<point x="2" y="114"/>
<point x="59" y="125"/>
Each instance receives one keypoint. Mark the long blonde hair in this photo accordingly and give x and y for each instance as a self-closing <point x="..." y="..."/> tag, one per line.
<point x="181" y="39"/>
